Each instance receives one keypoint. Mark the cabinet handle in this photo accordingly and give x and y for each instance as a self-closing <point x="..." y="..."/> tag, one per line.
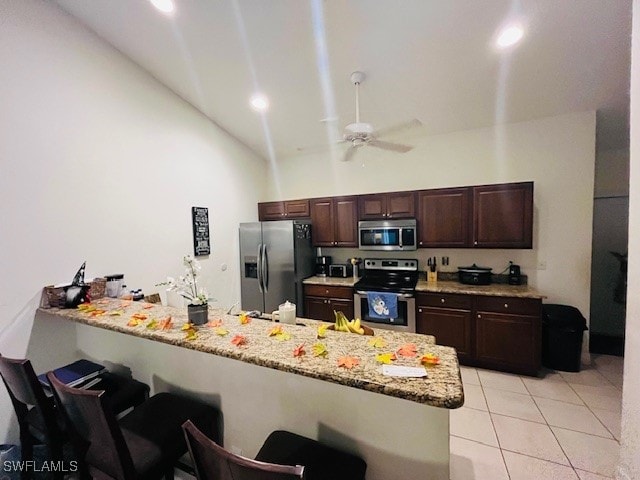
<point x="506" y="305"/>
<point x="326" y="291"/>
<point x="420" y="310"/>
<point x="329" y="302"/>
<point x="479" y="316"/>
<point x="442" y="300"/>
<point x="420" y="243"/>
<point x="475" y="243"/>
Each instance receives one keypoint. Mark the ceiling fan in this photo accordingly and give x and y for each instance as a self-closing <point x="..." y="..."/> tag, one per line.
<point x="361" y="134"/>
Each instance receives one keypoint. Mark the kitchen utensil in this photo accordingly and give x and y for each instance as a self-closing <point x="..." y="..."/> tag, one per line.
<point x="474" y="275"/>
<point x="322" y="265"/>
<point x="114" y="285"/>
<point x="514" y="274"/>
<point x="286" y="313"/>
<point x="340" y="270"/>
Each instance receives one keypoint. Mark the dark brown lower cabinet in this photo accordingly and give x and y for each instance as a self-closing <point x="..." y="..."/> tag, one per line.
<point x="448" y="318"/>
<point x="320" y="302"/>
<point x="499" y="333"/>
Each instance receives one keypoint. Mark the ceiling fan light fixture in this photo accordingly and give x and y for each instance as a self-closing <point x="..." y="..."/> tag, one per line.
<point x="510" y="35"/>
<point x="165" y="6"/>
<point x="259" y="102"/>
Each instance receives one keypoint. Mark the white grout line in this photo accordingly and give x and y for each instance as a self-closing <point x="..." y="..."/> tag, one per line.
<point x="563" y="379"/>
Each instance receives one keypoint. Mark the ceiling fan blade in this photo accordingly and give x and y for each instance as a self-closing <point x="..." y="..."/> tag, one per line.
<point x="394" y="147"/>
<point x="348" y="155"/>
<point x="399" y="128"/>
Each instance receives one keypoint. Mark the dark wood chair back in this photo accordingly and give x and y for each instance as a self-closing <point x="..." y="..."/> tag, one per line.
<point x="32" y="407"/>
<point x="96" y="434"/>
<point x="212" y="462"/>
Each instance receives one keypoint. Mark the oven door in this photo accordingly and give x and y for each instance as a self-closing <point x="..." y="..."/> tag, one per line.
<point x="406" y="321"/>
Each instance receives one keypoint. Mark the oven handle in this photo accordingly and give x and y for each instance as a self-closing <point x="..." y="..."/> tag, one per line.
<point x="400" y="295"/>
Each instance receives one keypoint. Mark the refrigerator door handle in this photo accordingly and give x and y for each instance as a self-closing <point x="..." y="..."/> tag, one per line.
<point x="260" y="268"/>
<point x="265" y="268"/>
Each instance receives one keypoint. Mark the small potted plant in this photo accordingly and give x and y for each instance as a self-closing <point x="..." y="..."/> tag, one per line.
<point x="187" y="286"/>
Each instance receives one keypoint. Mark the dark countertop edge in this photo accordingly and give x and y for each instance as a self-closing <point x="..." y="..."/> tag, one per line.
<point x="449" y="401"/>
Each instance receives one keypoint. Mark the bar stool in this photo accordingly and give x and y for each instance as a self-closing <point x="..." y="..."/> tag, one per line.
<point x="212" y="462"/>
<point x="144" y="444"/>
<point x="37" y="416"/>
<point x="320" y="461"/>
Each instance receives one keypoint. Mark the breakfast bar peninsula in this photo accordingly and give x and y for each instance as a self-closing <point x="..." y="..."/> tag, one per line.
<point x="265" y="376"/>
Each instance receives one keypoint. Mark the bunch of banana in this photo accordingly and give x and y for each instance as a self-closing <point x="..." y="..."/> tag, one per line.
<point x="344" y="325"/>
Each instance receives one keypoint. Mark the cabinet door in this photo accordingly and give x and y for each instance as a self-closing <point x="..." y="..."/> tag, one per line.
<point x="508" y="342"/>
<point x="316" y="308"/>
<point x="346" y="221"/>
<point x="372" y="206"/>
<point x="322" y="222"/>
<point x="503" y="215"/>
<point x="340" y="305"/>
<point x="271" y="211"/>
<point x="443" y="217"/>
<point x="296" y="208"/>
<point x="450" y="327"/>
<point x="401" y="205"/>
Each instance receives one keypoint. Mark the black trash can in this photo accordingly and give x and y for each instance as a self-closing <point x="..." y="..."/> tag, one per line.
<point x="562" y="332"/>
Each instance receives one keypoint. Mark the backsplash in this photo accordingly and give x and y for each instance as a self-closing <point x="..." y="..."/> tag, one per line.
<point x="496" y="259"/>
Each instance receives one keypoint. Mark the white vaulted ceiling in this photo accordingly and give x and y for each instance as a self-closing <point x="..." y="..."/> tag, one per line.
<point x="428" y="59"/>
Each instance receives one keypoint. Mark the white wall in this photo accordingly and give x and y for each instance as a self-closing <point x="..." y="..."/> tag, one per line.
<point x="557" y="153"/>
<point x="629" y="467"/>
<point x="100" y="162"/>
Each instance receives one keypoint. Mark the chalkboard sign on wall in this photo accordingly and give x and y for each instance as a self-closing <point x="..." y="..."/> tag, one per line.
<point x="200" y="217"/>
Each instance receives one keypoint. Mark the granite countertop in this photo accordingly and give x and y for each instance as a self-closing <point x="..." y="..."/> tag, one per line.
<point x="494" y="290"/>
<point x="441" y="388"/>
<point x="333" y="281"/>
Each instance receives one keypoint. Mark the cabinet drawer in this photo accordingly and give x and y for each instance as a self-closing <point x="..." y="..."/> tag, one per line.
<point x="329" y="291"/>
<point x="445" y="300"/>
<point x="522" y="306"/>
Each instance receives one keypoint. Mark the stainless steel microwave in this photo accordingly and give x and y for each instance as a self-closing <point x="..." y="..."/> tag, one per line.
<point x="390" y="235"/>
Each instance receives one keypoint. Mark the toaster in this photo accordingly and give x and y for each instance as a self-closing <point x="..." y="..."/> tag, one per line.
<point x="340" y="270"/>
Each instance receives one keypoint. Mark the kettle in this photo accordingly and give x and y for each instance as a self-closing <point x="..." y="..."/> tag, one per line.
<point x="286" y="313"/>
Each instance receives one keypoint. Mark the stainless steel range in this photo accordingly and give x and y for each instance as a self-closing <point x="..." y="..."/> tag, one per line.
<point x="388" y="276"/>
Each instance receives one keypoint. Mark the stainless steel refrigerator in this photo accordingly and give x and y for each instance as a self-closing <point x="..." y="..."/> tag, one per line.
<point x="274" y="259"/>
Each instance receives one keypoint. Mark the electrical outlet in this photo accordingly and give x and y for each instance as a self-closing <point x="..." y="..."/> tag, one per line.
<point x="236" y="450"/>
<point x="542" y="265"/>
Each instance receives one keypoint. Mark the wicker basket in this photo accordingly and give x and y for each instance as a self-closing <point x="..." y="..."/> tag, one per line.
<point x="97" y="288"/>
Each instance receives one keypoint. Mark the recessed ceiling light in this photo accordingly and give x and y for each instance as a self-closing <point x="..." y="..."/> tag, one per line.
<point x="259" y="102"/>
<point x="509" y="36"/>
<point x="165" y="6"/>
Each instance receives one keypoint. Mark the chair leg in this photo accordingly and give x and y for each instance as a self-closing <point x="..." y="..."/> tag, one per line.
<point x="26" y="452"/>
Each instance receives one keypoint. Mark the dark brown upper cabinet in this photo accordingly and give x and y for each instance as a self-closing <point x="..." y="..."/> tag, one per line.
<point x="486" y="216"/>
<point x="283" y="210"/>
<point x="386" y="205"/>
<point x="334" y="221"/>
<point x="503" y="215"/>
<point x="443" y="218"/>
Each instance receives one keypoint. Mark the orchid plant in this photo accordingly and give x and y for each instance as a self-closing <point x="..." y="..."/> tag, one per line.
<point x="187" y="285"/>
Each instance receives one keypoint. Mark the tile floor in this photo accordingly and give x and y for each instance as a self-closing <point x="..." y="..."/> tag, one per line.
<point x="561" y="425"/>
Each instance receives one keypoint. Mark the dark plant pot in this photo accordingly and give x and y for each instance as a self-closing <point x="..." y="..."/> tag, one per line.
<point x="198" y="314"/>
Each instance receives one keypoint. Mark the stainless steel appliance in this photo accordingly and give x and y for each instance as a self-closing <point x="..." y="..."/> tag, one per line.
<point x="274" y="259"/>
<point x="387" y="235"/>
<point x="397" y="276"/>
<point x="322" y="265"/>
<point x="343" y="270"/>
